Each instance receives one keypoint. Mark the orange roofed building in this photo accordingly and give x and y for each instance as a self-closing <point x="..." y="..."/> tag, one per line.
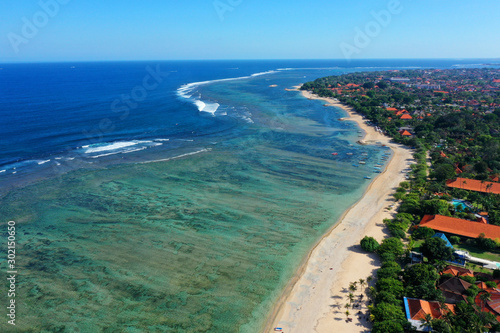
<point x="457" y="271"/>
<point x="406" y="117"/>
<point x="460" y="227"/>
<point x="474" y="185"/>
<point x="405" y="133"/>
<point x="416" y="309"/>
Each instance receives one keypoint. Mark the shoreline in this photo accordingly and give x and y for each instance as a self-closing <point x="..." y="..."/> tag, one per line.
<point x="312" y="300"/>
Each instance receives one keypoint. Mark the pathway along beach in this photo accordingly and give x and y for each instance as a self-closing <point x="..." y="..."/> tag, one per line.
<point x="314" y="299"/>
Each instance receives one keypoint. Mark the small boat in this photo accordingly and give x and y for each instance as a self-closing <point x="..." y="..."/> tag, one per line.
<point x="368" y="177"/>
<point x="335" y="154"/>
<point x="362" y="162"/>
<point x="355" y="165"/>
<point x="278" y="329"/>
<point x="349" y="154"/>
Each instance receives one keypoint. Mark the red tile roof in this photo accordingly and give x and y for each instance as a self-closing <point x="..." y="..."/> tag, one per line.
<point x="457" y="271"/>
<point x="474" y="185"/>
<point x="391" y="109"/>
<point x="491" y="306"/>
<point x="453" y="225"/>
<point x="405" y="133"/>
<point x="418" y="308"/>
<point x="406" y="116"/>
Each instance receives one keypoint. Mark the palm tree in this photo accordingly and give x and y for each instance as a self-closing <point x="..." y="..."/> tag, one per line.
<point x="347" y="313"/>
<point x="353" y="286"/>
<point x="351" y="298"/>
<point x="427" y="322"/>
<point x="484" y="297"/>
<point x="362" y="283"/>
<point x="369" y="279"/>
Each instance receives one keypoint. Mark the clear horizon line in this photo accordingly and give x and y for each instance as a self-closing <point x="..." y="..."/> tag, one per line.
<point x="238" y="59"/>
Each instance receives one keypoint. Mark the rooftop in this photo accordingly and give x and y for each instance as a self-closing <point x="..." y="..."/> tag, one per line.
<point x="474" y="185"/>
<point x="456" y="226"/>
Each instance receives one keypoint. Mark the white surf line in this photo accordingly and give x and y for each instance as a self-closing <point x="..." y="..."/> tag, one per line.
<point x="175" y="157"/>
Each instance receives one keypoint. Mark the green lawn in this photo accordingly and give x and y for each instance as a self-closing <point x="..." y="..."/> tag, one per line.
<point x="473" y="250"/>
<point x="478" y="268"/>
<point x="417" y="245"/>
<point x="477" y="252"/>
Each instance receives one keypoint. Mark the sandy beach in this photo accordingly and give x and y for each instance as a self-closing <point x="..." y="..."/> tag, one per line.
<point x="314" y="300"/>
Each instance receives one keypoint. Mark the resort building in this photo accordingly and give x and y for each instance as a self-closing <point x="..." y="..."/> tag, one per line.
<point x="492" y="304"/>
<point x="416" y="309"/>
<point x="460" y="227"/>
<point x="457" y="271"/>
<point x="454" y="290"/>
<point x="474" y="185"/>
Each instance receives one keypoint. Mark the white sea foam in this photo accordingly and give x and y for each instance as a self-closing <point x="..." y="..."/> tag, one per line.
<point x="210" y="108"/>
<point x="106" y="147"/>
<point x="119" y="152"/>
<point x="248" y="119"/>
<point x="186" y="92"/>
<point x="121" y="147"/>
<point x="43" y="162"/>
<point x="175" y="157"/>
<point x="2" y="171"/>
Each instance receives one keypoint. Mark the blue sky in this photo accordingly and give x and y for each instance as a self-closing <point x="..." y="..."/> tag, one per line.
<point x="246" y="29"/>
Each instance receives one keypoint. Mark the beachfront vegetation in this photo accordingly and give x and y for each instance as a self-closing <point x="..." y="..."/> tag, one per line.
<point x="452" y="120"/>
<point x="369" y="244"/>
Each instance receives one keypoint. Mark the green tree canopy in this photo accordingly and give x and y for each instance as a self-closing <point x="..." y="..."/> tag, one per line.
<point x="391" y="245"/>
<point x="419" y="273"/>
<point x="435" y="206"/>
<point x="390" y="285"/>
<point x="436" y="249"/>
<point x="443" y="172"/>
<point x="423" y="233"/>
<point x="387" y="311"/>
<point x="388" y="326"/>
<point x="369" y="244"/>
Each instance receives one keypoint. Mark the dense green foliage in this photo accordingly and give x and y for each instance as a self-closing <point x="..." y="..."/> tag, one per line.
<point x="391" y="245"/>
<point x="436" y="249"/>
<point x="369" y="244"/>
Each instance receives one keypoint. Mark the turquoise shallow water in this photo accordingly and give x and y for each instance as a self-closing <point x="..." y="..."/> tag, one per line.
<point x="203" y="243"/>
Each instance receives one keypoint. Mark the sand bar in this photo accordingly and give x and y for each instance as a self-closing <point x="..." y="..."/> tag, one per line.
<point x="314" y="299"/>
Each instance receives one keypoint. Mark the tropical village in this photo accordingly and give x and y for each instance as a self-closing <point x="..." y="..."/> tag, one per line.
<point x="440" y="266"/>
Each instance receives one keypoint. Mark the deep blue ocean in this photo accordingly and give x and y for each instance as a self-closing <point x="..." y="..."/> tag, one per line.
<point x="171" y="196"/>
